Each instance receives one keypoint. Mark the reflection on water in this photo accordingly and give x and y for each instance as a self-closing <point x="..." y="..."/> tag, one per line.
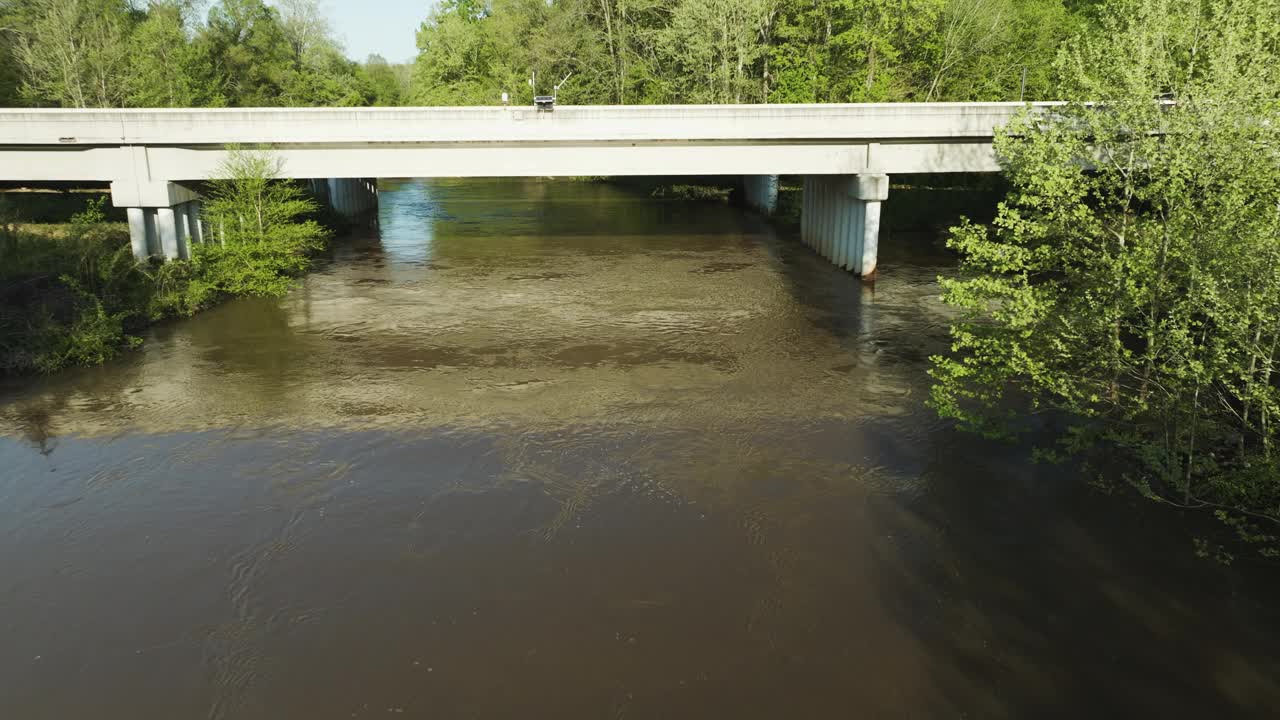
<point x="551" y="449"/>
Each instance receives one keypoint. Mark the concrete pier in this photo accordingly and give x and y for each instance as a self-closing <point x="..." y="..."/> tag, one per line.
<point x="165" y="221"/>
<point x="761" y="193"/>
<point x="164" y="217"/>
<point x="166" y="232"/>
<point x="840" y="219"/>
<point x="351" y="197"/>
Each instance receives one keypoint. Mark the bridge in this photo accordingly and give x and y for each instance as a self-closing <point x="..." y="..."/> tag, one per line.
<point x="155" y="160"/>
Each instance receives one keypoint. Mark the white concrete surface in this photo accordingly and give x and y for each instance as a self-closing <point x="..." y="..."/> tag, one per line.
<point x="840" y="219"/>
<point x="157" y="146"/>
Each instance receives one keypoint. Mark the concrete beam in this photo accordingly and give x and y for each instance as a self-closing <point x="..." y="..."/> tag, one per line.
<point x="871" y="187"/>
<point x="543" y="161"/>
<point x="135" y="193"/>
<point x="178" y="164"/>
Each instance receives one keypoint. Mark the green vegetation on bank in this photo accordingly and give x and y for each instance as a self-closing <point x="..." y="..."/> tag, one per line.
<point x="1129" y="289"/>
<point x="77" y="296"/>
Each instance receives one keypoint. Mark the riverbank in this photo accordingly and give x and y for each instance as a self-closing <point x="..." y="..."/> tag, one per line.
<point x="71" y="293"/>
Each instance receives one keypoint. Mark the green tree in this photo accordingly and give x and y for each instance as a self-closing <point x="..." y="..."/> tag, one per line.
<point x="380" y="83"/>
<point x="322" y="74"/>
<point x="715" y="49"/>
<point x="675" y="51"/>
<point x="873" y="47"/>
<point x="799" y="58"/>
<point x="629" y="39"/>
<point x="252" y="57"/>
<point x="166" y="68"/>
<point x="306" y="28"/>
<point x="10" y="81"/>
<point x="469" y="54"/>
<point x="1130" y="285"/>
<point x="74" y="53"/>
<point x="456" y="54"/>
<point x="853" y="50"/>
<point x="263" y="235"/>
<point x="997" y="49"/>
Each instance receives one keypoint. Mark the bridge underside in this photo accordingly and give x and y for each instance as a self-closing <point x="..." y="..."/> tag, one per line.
<point x="844" y="183"/>
<point x="840" y="217"/>
<point x="153" y="157"/>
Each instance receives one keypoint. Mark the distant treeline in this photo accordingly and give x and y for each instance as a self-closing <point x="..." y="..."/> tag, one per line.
<point x="241" y="53"/>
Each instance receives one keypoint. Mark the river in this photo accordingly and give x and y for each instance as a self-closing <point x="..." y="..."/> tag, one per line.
<point x="557" y="449"/>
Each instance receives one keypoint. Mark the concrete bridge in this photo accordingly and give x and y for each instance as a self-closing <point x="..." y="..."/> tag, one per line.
<point x="154" y="160"/>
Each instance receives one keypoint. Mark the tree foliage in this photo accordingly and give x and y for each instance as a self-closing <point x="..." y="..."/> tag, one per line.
<point x="166" y="70"/>
<point x="136" y="53"/>
<point x="114" y="53"/>
<point x="10" y="80"/>
<point x="734" y="51"/>
<point x="260" y="222"/>
<point x="74" y="52"/>
<point x="1130" y="284"/>
<point x="381" y="83"/>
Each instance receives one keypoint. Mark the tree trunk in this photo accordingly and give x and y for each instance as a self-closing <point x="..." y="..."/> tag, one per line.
<point x="871" y="67"/>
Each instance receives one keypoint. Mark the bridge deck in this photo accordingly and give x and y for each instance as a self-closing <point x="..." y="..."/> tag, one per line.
<point x="896" y="121"/>
<point x="188" y="144"/>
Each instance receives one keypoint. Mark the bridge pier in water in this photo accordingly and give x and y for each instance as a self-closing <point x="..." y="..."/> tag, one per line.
<point x="352" y="198"/>
<point x="839" y="216"/>
<point x="840" y="219"/>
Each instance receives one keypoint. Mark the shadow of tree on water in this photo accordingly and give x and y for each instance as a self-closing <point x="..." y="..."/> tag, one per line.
<point x="1039" y="598"/>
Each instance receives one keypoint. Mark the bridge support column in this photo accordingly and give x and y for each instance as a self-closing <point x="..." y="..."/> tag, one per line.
<point x="166" y="232"/>
<point x="164" y="218"/>
<point x="195" y="222"/>
<point x="840" y="219"/>
<point x="171" y="240"/>
<point x="761" y="193"/>
<point x="350" y="197"/>
<point x="142" y="233"/>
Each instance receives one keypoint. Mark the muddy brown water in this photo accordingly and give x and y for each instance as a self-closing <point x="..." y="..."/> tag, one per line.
<point x="540" y="449"/>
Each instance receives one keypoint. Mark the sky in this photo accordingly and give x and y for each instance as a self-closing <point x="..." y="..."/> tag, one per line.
<point x="386" y="27"/>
